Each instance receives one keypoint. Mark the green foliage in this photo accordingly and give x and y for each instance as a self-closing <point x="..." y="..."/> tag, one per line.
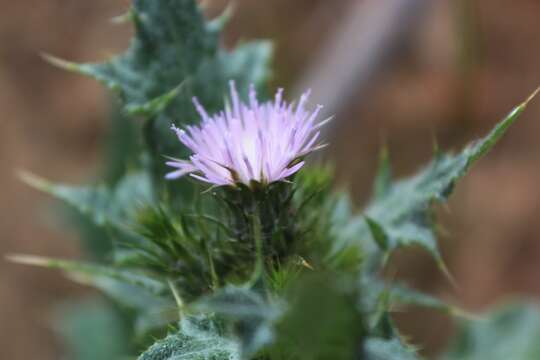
<point x="92" y="329"/>
<point x="330" y="327"/>
<point x="173" y="57"/>
<point x="400" y="214"/>
<point x="374" y="290"/>
<point x="174" y="46"/>
<point x="249" y="315"/>
<point x="198" y="338"/>
<point x="103" y="205"/>
<point x="380" y="349"/>
<point x="510" y="332"/>
<point x="325" y="216"/>
<point x="327" y="317"/>
<point x="288" y="271"/>
<point x="133" y="289"/>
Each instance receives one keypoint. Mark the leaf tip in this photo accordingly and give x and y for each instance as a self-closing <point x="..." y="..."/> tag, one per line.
<point x="444" y="269"/>
<point x="463" y="314"/>
<point x="33" y="180"/>
<point x="532" y="96"/>
<point x="27" y="259"/>
<point x="123" y="18"/>
<point x="61" y="63"/>
<point x="217" y="24"/>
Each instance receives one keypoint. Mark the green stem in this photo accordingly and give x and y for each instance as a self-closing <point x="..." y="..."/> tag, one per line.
<point x="256" y="277"/>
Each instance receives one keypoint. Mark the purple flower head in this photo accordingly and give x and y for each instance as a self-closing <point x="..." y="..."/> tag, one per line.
<point x="249" y="142"/>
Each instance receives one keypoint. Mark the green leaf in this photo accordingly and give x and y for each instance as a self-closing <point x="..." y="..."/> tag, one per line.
<point x="374" y="290"/>
<point x="401" y="294"/>
<point x="170" y="42"/>
<point x="122" y="152"/>
<point x="378" y="234"/>
<point x="198" y="338"/>
<point x="101" y="204"/>
<point x="401" y="215"/>
<point x="105" y="211"/>
<point x="128" y="287"/>
<point x="174" y="56"/>
<point x="383" y="180"/>
<point x="250" y="315"/>
<point x="92" y="329"/>
<point x="248" y="63"/>
<point x="382" y="349"/>
<point x="324" y="215"/>
<point x="511" y="332"/>
<point x="323" y="320"/>
<point x="106" y="278"/>
<point x="122" y="146"/>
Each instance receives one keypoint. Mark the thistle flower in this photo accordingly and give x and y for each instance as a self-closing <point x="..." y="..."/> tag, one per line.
<point x="249" y="142"/>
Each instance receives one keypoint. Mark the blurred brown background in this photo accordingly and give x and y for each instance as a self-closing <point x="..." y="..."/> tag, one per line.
<point x="455" y="69"/>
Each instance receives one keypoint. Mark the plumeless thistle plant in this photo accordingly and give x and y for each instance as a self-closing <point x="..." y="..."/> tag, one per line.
<point x="255" y="257"/>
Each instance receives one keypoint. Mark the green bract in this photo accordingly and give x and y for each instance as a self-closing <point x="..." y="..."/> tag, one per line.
<point x="289" y="271"/>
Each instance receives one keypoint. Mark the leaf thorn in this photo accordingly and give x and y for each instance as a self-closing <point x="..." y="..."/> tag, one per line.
<point x="61" y="63"/>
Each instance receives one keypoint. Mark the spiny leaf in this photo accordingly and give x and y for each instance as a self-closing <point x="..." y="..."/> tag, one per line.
<point x="236" y="303"/>
<point x="510" y="332"/>
<point x="198" y="338"/>
<point x="170" y="42"/>
<point x="324" y="216"/>
<point x="250" y="315"/>
<point x="103" y="205"/>
<point x="106" y="278"/>
<point x="173" y="46"/>
<point x="403" y="214"/>
<point x="129" y="288"/>
<point x="382" y="349"/>
<point x="174" y="56"/>
<point x="405" y="295"/>
<point x="378" y="300"/>
<point x="323" y="320"/>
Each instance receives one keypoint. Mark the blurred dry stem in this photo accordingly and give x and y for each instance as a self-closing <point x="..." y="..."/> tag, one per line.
<point x="343" y="67"/>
